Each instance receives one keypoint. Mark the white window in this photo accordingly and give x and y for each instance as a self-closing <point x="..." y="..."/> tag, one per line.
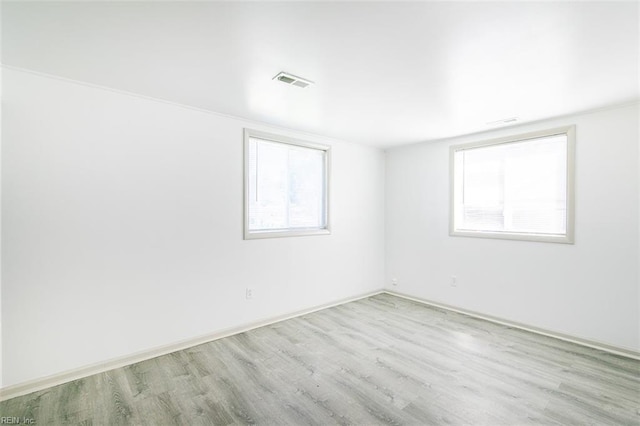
<point x="286" y="186"/>
<point x="519" y="187"/>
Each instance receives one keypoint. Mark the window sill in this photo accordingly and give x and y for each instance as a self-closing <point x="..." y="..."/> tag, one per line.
<point x="254" y="235"/>
<point x="562" y="239"/>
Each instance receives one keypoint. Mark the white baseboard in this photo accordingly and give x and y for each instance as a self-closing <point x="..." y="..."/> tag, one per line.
<point x="626" y="352"/>
<point x="35" y="385"/>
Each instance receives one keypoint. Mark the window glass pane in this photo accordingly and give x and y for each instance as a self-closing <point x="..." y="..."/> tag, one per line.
<point x="483" y="194"/>
<point x="268" y="185"/>
<point x="306" y="188"/>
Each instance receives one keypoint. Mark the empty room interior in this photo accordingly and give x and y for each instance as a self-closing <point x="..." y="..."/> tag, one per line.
<point x="288" y="213"/>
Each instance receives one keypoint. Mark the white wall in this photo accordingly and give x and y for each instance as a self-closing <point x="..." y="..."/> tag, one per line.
<point x="0" y="223"/>
<point x="588" y="290"/>
<point x="122" y="228"/>
<point x="122" y="231"/>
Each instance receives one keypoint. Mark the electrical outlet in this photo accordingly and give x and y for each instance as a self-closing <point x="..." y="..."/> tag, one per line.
<point x="454" y="281"/>
<point x="249" y="293"/>
<point x="394" y="281"/>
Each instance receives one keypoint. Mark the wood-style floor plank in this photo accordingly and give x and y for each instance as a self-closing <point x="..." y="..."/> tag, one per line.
<point x="380" y="360"/>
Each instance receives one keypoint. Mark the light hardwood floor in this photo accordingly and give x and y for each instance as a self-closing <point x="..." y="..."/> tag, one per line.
<point x="380" y="360"/>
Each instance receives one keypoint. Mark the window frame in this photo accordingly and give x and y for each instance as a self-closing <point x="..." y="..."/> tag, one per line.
<point x="568" y="237"/>
<point x="289" y="232"/>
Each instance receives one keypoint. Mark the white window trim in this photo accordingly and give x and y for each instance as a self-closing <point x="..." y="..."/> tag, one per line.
<point x="568" y="238"/>
<point x="250" y="235"/>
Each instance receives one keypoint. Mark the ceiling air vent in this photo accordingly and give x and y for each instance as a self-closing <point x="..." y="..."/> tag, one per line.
<point x="503" y="121"/>
<point x="292" y="80"/>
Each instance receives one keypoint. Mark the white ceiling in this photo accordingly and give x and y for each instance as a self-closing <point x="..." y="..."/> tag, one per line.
<point x="386" y="73"/>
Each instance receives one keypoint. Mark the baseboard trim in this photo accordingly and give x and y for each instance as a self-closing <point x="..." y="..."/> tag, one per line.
<point x="35" y="385"/>
<point x="626" y="352"/>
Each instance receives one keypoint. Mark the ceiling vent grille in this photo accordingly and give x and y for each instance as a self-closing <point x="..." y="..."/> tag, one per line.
<point x="503" y="121"/>
<point x="293" y="80"/>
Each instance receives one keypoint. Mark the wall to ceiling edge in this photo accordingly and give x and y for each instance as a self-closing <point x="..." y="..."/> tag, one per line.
<point x="589" y="290"/>
<point x="122" y="228"/>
